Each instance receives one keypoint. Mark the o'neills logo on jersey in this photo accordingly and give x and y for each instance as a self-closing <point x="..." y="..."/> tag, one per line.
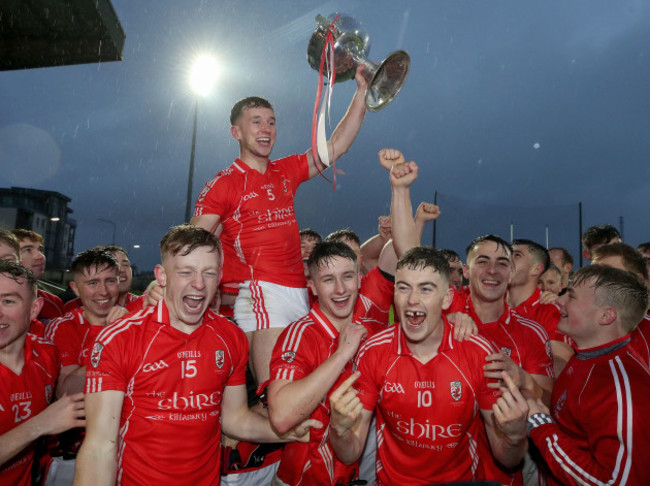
<point x="394" y="387"/>
<point x="288" y="356"/>
<point x="159" y="365"/>
<point x="456" y="390"/>
<point x="96" y="354"/>
<point x="506" y="351"/>
<point x="190" y="402"/>
<point x="429" y="431"/>
<point x="219" y="358"/>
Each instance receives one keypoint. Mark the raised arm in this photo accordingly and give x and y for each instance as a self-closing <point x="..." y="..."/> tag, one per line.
<point x="64" y="414"/>
<point x="291" y="402"/>
<point x="372" y="248"/>
<point x="97" y="459"/>
<point x="348" y="128"/>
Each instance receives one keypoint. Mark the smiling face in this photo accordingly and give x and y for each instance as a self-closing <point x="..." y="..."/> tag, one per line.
<point x="550" y="281"/>
<point x="335" y="281"/>
<point x="126" y="272"/>
<point x="189" y="285"/>
<point x="255" y="130"/>
<point x="580" y="314"/>
<point x="489" y="270"/>
<point x="421" y="294"/>
<point x="97" y="288"/>
<point x="18" y="306"/>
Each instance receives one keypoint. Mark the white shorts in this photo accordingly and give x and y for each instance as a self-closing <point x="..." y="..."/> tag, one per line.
<point x="264" y="305"/>
<point x="257" y="477"/>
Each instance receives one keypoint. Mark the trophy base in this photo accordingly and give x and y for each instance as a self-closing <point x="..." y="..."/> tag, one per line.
<point x="387" y="80"/>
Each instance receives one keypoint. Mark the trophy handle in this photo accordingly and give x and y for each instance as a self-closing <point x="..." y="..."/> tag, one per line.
<point x="385" y="79"/>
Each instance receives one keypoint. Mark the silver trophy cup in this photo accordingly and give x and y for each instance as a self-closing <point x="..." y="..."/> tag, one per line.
<point x="351" y="48"/>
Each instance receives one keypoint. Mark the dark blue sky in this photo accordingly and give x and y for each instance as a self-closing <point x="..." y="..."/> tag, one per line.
<point x="488" y="81"/>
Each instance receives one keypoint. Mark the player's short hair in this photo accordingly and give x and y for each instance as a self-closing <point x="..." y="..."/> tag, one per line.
<point x="113" y="249"/>
<point x="22" y="234"/>
<point x="344" y="234"/>
<point x="553" y="268"/>
<point x="249" y="102"/>
<point x="599" y="235"/>
<point x="490" y="237"/>
<point x="566" y="256"/>
<point x="311" y="234"/>
<point x="187" y="238"/>
<point x="633" y="260"/>
<point x="9" y="238"/>
<point x="19" y="274"/>
<point x="450" y="255"/>
<point x="325" y="251"/>
<point x="537" y="251"/>
<point x="94" y="257"/>
<point x="421" y="257"/>
<point x="622" y="290"/>
<point x="645" y="247"/>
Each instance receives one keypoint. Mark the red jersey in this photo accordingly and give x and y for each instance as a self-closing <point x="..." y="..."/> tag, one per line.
<point x="52" y="307"/>
<point x="37" y="328"/>
<point x="24" y="396"/>
<point x="260" y="232"/>
<point x="76" y="303"/>
<point x="299" y="350"/>
<point x="548" y="315"/>
<point x="170" y="427"/>
<point x="641" y="339"/>
<point x="73" y="336"/>
<point x="375" y="297"/>
<point x="523" y="340"/>
<point x="599" y="430"/>
<point x="426" y="413"/>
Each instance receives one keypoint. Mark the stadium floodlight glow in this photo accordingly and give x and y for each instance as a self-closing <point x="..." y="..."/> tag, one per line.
<point x="204" y="74"/>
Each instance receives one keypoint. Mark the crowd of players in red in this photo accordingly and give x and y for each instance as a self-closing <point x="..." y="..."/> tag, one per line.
<point x="263" y="355"/>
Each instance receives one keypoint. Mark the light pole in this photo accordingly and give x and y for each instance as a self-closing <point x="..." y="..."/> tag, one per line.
<point x="202" y="78"/>
<point x="111" y="223"/>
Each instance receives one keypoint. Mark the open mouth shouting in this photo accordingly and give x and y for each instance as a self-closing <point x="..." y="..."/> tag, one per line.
<point x="414" y="318"/>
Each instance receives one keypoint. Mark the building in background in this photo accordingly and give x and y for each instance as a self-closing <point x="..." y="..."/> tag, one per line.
<point x="45" y="212"/>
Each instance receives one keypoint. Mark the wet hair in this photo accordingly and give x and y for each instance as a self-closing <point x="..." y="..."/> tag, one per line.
<point x="22" y="234"/>
<point x="244" y="103"/>
<point x="311" y="234"/>
<point x="622" y="290"/>
<point x="19" y="274"/>
<point x="645" y="247"/>
<point x="421" y="257"/>
<point x="94" y="257"/>
<point x="599" y="235"/>
<point x="188" y="237"/>
<point x="633" y="260"/>
<point x="113" y="249"/>
<point x="450" y="255"/>
<point x="344" y="234"/>
<point x="495" y="239"/>
<point x="566" y="256"/>
<point x="537" y="251"/>
<point x="325" y="251"/>
<point x="9" y="238"/>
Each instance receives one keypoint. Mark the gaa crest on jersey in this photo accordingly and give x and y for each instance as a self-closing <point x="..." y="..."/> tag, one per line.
<point x="219" y="358"/>
<point x="456" y="390"/>
<point x="284" y="185"/>
<point x="506" y="351"/>
<point x="48" y="393"/>
<point x="288" y="356"/>
<point x="96" y="354"/>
